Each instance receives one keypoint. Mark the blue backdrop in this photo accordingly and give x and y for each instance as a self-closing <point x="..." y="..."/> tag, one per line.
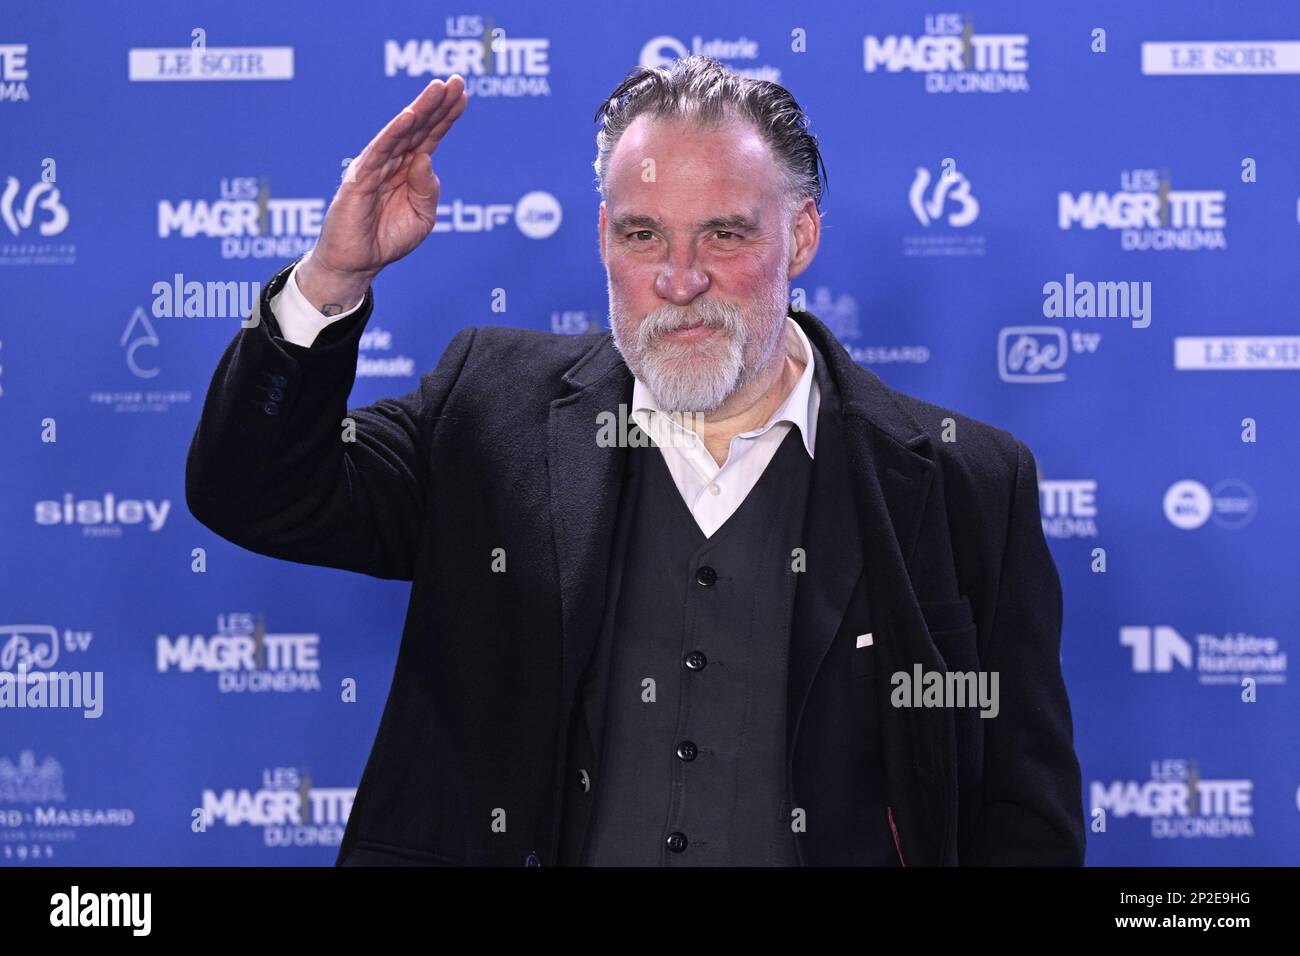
<point x="1143" y="156"/>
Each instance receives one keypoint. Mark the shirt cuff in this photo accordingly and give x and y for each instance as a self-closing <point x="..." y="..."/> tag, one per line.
<point x="300" y="321"/>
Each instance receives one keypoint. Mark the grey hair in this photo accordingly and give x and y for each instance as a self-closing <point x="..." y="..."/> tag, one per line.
<point x="700" y="89"/>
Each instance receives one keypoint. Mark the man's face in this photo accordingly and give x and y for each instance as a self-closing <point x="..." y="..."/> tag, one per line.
<point x="696" y="245"/>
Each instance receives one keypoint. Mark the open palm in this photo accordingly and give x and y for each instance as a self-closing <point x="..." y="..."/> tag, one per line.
<point x="387" y="202"/>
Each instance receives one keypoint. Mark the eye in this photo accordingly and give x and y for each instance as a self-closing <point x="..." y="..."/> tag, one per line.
<point x="725" y="235"/>
<point x="645" y="234"/>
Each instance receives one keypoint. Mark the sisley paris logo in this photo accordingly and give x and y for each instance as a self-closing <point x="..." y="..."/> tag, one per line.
<point x="103" y="517"/>
<point x="130" y="910"/>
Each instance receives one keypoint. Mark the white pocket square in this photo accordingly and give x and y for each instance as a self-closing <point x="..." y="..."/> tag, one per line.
<point x="865" y="640"/>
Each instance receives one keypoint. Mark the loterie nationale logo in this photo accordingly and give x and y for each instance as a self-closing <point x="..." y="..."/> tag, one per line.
<point x="248" y="221"/>
<point x="492" y="61"/>
<point x="1149" y="213"/>
<point x="740" y="55"/>
<point x="953" y="57"/>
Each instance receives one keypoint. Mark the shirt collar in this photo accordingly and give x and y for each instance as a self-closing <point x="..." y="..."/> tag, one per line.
<point x="799" y="408"/>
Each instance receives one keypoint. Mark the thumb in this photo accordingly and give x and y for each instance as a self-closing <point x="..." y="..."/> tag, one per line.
<point x="422" y="183"/>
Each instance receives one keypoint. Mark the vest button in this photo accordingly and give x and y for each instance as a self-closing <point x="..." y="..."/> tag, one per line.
<point x="696" y="660"/>
<point x="687" y="750"/>
<point x="706" y="576"/>
<point x="676" y="842"/>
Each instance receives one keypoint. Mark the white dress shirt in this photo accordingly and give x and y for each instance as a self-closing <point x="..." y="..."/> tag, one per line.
<point x="714" y="492"/>
<point x="711" y="492"/>
<point x="299" y="320"/>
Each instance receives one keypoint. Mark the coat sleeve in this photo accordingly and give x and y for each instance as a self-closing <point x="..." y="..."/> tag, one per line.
<point x="1031" y="812"/>
<point x="280" y="465"/>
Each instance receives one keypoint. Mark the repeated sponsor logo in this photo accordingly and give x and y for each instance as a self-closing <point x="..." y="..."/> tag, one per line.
<point x="492" y="61"/>
<point x="1179" y="802"/>
<point x="953" y="57"/>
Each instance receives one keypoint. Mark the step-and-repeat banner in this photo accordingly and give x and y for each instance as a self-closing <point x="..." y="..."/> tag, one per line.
<point x="1078" y="225"/>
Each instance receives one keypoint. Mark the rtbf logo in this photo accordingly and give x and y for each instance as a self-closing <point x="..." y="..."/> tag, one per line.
<point x="537" y="214"/>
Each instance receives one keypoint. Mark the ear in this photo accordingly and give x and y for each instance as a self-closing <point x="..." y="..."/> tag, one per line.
<point x="806" y="234"/>
<point x="600" y="229"/>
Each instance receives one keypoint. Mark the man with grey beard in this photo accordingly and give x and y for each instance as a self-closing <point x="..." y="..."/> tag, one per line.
<point x="674" y="649"/>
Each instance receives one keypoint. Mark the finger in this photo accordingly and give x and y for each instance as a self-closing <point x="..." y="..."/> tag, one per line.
<point x="383" y="147"/>
<point x="437" y="110"/>
<point x="428" y="101"/>
<point x="433" y="100"/>
<point x="436" y="132"/>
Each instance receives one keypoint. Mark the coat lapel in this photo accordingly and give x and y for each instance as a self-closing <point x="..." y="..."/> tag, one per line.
<point x="585" y="481"/>
<point x="891" y="471"/>
<point x="873" y="470"/>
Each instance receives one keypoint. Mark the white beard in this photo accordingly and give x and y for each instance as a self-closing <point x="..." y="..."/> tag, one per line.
<point x="698" y="377"/>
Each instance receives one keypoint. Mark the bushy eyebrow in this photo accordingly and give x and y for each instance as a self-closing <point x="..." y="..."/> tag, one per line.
<point x="737" y="222"/>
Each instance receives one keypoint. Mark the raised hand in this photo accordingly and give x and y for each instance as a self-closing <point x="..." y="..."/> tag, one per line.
<point x="386" y="204"/>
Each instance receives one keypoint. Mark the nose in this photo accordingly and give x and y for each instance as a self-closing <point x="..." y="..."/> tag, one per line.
<point x="680" y="280"/>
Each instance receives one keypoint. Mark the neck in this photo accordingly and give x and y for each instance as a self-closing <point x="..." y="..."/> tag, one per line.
<point x="751" y="406"/>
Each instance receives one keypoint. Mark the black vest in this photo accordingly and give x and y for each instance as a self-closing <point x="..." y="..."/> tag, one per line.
<point x="694" y="765"/>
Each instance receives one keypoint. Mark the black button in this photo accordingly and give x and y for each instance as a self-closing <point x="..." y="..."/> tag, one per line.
<point x="274" y="394"/>
<point x="706" y="575"/>
<point x="687" y="750"/>
<point x="279" y="381"/>
<point x="696" y="660"/>
<point x="532" y="859"/>
<point x="271" y="408"/>
<point x="677" y="842"/>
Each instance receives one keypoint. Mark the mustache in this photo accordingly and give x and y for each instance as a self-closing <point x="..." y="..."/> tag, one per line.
<point x="712" y="314"/>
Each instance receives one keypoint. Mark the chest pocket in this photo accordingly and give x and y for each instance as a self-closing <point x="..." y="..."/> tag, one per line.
<point x="952" y="628"/>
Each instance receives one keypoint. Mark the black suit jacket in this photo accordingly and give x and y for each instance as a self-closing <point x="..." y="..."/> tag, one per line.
<point x="933" y="546"/>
